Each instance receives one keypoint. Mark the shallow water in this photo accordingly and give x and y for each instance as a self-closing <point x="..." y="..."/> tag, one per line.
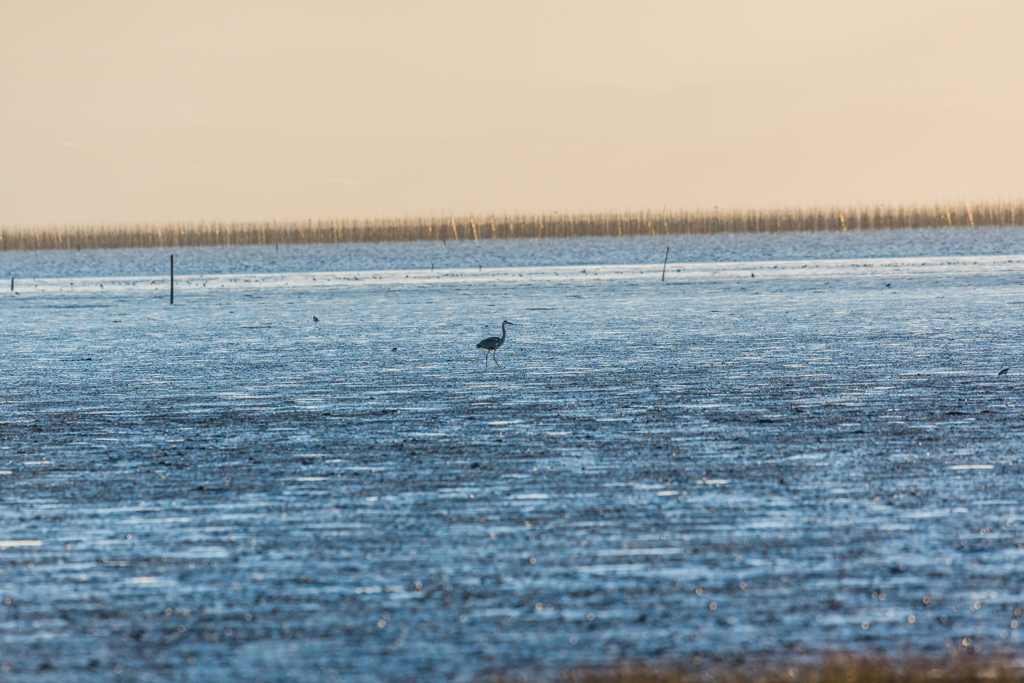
<point x="515" y="253"/>
<point x="818" y="457"/>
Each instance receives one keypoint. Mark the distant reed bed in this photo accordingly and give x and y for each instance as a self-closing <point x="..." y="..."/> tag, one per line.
<point x="540" y="226"/>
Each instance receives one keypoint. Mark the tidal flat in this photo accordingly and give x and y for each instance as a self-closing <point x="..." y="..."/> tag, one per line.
<point x="756" y="458"/>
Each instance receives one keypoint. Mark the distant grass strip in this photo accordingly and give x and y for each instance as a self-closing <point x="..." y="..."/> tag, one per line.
<point x="837" y="669"/>
<point x="509" y="227"/>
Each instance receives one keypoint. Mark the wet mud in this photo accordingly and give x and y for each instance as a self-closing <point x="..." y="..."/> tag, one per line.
<point x="749" y="459"/>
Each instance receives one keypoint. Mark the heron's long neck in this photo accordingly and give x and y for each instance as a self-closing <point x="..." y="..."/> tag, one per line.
<point x="503" y="332"/>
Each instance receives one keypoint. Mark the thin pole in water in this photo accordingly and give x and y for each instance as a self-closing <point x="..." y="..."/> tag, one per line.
<point x="12" y="284"/>
<point x="666" y="264"/>
<point x="172" y="279"/>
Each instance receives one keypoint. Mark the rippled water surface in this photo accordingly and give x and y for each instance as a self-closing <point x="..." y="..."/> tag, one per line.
<point x="762" y="458"/>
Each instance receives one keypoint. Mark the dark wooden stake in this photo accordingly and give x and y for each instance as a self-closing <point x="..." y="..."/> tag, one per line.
<point x="12" y="284"/>
<point x="666" y="264"/>
<point x="172" y="279"/>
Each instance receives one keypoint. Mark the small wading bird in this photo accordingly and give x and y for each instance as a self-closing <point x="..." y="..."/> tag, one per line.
<point x="492" y="344"/>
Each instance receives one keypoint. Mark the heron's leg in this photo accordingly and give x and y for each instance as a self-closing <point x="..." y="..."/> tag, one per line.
<point x="494" y="355"/>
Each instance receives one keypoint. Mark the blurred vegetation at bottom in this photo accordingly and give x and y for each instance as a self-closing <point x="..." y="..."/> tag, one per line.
<point x="834" y="669"/>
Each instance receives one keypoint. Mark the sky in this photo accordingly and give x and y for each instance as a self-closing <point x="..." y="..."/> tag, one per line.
<point x="123" y="112"/>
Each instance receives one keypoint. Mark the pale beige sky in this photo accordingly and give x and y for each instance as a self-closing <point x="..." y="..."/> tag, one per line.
<point x="160" y="111"/>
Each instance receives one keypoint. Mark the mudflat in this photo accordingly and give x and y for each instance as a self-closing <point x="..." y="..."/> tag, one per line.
<point x="819" y="457"/>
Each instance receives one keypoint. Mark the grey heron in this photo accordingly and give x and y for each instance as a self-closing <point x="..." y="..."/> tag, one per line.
<point x="492" y="344"/>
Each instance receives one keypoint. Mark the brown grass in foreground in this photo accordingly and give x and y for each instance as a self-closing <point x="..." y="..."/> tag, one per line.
<point x="509" y="227"/>
<point x="836" y="669"/>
